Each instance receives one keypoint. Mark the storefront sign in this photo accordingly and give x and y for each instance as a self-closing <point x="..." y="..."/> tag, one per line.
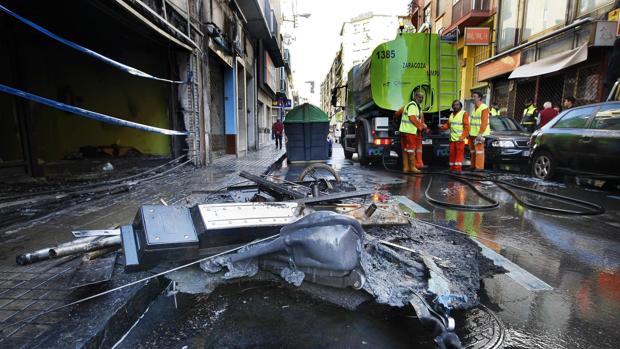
<point x="501" y="66"/>
<point x="271" y="73"/>
<point x="282" y="103"/>
<point x="604" y="35"/>
<point x="477" y="36"/>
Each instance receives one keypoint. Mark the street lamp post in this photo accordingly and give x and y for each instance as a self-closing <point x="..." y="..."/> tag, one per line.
<point x="294" y="20"/>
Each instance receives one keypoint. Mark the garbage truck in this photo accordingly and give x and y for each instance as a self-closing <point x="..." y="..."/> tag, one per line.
<point x="385" y="82"/>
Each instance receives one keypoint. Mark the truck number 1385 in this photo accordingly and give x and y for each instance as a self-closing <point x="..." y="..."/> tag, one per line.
<point x="386" y="54"/>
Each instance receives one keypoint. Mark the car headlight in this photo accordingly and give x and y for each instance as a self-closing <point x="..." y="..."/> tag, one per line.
<point x="503" y="144"/>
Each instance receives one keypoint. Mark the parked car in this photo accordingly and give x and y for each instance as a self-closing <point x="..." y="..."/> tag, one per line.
<point x="507" y="145"/>
<point x="583" y="141"/>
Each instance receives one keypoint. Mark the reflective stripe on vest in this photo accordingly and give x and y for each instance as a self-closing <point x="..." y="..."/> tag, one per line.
<point x="456" y="126"/>
<point x="493" y="112"/>
<point x="476" y="122"/>
<point x="406" y="126"/>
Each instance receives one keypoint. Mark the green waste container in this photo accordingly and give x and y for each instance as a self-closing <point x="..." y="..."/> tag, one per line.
<point x="306" y="128"/>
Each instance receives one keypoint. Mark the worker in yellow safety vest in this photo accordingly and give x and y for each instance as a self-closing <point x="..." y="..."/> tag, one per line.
<point x="410" y="124"/>
<point x="478" y="129"/>
<point x="494" y="110"/>
<point x="458" y="124"/>
<point x="530" y="114"/>
<point x="411" y="128"/>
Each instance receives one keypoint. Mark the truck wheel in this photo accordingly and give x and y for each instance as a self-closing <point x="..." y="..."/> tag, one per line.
<point x="361" y="150"/>
<point x="543" y="165"/>
<point x="348" y="154"/>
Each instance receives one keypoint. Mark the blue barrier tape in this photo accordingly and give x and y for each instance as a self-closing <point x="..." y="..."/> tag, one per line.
<point x="89" y="114"/>
<point x="82" y="49"/>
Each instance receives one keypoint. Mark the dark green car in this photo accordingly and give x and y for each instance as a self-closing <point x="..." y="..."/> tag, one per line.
<point x="582" y="141"/>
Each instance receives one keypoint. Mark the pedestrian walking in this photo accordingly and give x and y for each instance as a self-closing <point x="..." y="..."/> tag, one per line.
<point x="278" y="129"/>
<point x="478" y="129"/>
<point x="569" y="102"/>
<point x="410" y="123"/>
<point x="530" y="116"/>
<point x="547" y="114"/>
<point x="458" y="124"/>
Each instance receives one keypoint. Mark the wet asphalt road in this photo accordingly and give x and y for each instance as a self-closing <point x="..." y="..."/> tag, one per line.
<point x="578" y="256"/>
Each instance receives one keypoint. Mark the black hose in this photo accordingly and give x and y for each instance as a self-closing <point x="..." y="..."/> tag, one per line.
<point x="493" y="204"/>
<point x="591" y="209"/>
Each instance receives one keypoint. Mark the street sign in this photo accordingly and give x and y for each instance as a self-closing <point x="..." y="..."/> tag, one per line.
<point x="475" y="36"/>
<point x="282" y="103"/>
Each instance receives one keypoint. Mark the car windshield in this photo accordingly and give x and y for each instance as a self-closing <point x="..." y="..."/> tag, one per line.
<point x="501" y="123"/>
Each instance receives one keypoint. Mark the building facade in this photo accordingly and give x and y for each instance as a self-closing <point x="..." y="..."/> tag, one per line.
<point x="359" y="37"/>
<point x="547" y="50"/>
<point x="225" y="59"/>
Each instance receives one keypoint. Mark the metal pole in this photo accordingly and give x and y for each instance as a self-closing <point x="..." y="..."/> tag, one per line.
<point x="189" y="33"/>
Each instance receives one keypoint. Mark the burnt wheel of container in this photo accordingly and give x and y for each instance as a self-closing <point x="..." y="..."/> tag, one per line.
<point x="322" y="173"/>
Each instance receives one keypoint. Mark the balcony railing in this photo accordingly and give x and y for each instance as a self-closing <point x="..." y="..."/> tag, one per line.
<point x="473" y="8"/>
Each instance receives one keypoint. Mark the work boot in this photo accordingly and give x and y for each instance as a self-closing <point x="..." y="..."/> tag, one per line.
<point x="406" y="162"/>
<point x="418" y="160"/>
<point x="412" y="168"/>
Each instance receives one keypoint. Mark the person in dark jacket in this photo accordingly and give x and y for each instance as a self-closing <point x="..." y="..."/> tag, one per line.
<point x="278" y="129"/>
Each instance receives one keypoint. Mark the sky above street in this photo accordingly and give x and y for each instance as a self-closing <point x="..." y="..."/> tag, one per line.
<point x="317" y="38"/>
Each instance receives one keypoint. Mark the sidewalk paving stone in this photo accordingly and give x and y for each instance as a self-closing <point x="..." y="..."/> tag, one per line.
<point x="26" y="291"/>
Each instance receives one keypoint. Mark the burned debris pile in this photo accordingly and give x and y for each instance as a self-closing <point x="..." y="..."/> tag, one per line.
<point x="324" y="237"/>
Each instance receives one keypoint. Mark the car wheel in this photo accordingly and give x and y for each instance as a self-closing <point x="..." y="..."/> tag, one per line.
<point x="543" y="165"/>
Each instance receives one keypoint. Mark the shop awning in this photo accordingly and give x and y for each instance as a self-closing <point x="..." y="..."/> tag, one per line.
<point x="551" y="64"/>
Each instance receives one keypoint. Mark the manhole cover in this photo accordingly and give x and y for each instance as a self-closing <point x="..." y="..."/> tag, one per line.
<point x="479" y="328"/>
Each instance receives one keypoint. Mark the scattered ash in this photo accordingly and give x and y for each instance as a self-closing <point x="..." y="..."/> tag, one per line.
<point x="458" y="257"/>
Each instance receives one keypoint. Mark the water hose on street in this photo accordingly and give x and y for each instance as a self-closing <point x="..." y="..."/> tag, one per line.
<point x="590" y="209"/>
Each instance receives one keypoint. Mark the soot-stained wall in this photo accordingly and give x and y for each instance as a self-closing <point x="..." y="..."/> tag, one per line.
<point x="47" y="68"/>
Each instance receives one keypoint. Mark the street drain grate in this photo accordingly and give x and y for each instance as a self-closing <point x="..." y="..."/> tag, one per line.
<point x="480" y="328"/>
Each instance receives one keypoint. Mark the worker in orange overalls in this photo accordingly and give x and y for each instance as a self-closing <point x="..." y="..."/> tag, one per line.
<point x="410" y="125"/>
<point x="417" y="118"/>
<point x="479" y="128"/>
<point x="458" y="124"/>
<point x="422" y="128"/>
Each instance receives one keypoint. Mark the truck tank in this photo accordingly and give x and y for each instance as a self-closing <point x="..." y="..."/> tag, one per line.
<point x="410" y="62"/>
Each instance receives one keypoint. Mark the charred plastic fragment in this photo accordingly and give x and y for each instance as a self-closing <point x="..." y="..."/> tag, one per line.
<point x="322" y="248"/>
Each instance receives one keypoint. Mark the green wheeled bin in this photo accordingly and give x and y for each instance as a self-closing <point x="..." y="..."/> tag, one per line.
<point x="306" y="127"/>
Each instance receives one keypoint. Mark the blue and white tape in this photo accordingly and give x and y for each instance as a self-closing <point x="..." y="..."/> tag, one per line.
<point x="89" y="52"/>
<point x="89" y="114"/>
